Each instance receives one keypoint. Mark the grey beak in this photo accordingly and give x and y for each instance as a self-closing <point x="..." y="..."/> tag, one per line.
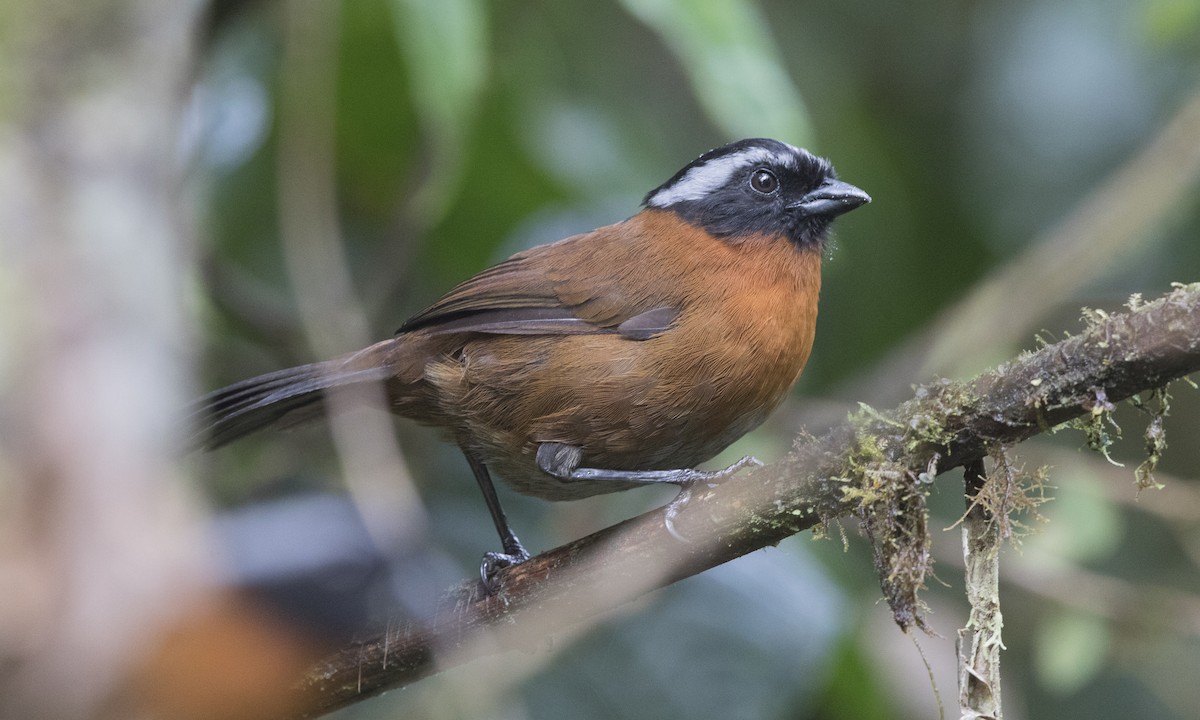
<point x="831" y="199"/>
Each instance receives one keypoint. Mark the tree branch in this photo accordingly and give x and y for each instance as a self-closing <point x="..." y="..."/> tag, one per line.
<point x="979" y="643"/>
<point x="843" y="472"/>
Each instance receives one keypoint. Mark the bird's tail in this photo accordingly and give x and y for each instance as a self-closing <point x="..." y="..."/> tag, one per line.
<point x="282" y="398"/>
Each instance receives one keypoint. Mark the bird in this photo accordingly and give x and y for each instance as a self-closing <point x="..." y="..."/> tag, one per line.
<point x="608" y="360"/>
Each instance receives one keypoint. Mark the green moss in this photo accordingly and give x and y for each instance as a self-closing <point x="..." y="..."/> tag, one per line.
<point x="889" y="499"/>
<point x="1155" y="437"/>
<point x="938" y="402"/>
<point x="1098" y="426"/>
<point x="1011" y="496"/>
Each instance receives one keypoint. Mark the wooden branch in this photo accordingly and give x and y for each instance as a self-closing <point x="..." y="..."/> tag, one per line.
<point x="979" y="643"/>
<point x="946" y="424"/>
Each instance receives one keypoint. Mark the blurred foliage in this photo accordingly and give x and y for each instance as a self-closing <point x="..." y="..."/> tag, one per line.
<point x="466" y="130"/>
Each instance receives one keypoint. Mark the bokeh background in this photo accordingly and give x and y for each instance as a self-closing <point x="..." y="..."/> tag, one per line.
<point x="350" y="161"/>
<point x="459" y="132"/>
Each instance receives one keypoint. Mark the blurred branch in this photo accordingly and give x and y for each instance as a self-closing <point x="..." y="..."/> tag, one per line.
<point x="944" y="426"/>
<point x="330" y="311"/>
<point x="1062" y="579"/>
<point x="252" y="305"/>
<point x="1105" y="229"/>
<point x="102" y="545"/>
<point x="1121" y="601"/>
<point x="1110" y="225"/>
<point x="1178" y="511"/>
<point x="446" y="48"/>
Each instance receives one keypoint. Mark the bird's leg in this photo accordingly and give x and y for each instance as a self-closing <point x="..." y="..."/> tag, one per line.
<point x="514" y="553"/>
<point x="562" y="461"/>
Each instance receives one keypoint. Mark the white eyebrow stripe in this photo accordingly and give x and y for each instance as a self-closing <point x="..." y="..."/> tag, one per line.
<point x="702" y="180"/>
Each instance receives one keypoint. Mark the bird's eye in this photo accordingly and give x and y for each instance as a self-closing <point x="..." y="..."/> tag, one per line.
<point x="764" y="181"/>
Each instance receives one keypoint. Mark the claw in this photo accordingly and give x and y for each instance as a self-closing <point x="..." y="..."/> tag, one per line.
<point x="747" y="461"/>
<point x="710" y="478"/>
<point x="494" y="562"/>
<point x="685" y="494"/>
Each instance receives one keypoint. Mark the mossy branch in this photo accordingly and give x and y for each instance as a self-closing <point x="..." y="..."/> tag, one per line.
<point x="877" y="466"/>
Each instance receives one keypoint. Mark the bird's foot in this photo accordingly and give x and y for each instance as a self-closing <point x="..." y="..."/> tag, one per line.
<point x="710" y="478"/>
<point x="493" y="562"/>
<point x="562" y="461"/>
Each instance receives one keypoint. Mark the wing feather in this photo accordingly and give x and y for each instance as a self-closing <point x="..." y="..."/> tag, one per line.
<point x="540" y="292"/>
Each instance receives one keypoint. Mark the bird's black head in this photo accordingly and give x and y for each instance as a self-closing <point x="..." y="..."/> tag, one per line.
<point x="759" y="186"/>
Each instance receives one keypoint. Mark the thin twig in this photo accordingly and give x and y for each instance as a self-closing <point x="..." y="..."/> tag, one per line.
<point x="979" y="643"/>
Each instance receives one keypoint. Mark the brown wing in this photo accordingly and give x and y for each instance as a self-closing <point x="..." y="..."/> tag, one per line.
<point x="545" y="291"/>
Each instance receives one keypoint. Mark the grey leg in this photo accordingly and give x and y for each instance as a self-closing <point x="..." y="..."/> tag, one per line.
<point x="562" y="461"/>
<point x="514" y="553"/>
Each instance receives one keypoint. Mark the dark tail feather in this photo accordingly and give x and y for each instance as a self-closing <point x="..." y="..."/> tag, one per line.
<point x="280" y="398"/>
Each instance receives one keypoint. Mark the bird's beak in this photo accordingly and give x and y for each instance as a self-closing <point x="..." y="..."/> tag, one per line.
<point x="831" y="199"/>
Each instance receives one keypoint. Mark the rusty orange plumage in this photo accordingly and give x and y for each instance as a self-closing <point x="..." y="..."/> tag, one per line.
<point x="610" y="359"/>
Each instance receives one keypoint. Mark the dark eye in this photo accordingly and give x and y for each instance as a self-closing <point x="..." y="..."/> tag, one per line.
<point x="764" y="181"/>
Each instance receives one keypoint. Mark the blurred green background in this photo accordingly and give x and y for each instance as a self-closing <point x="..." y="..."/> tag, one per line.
<point x="457" y="132"/>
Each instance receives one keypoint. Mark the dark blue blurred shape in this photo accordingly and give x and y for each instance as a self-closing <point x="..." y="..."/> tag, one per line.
<point x="308" y="558"/>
